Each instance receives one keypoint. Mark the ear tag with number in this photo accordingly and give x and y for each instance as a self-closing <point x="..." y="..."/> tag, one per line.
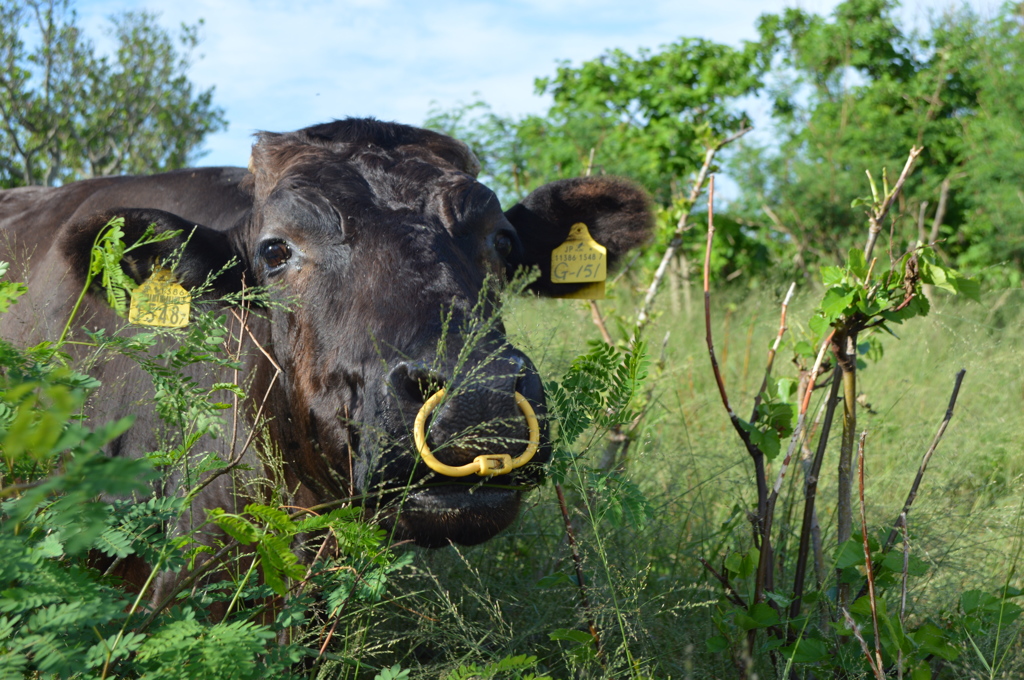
<point x="160" y="301"/>
<point x="580" y="259"/>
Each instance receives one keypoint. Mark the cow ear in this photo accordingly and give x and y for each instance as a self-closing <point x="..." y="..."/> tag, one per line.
<point x="617" y="214"/>
<point x="206" y="251"/>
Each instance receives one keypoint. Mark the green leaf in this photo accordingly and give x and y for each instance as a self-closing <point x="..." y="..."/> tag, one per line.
<point x="554" y="581"/>
<point x="921" y="671"/>
<point x="933" y="640"/>
<point x="716" y="644"/>
<point x="849" y="554"/>
<point x="761" y="615"/>
<point x="835" y="302"/>
<point x="894" y="562"/>
<point x="857" y="263"/>
<point x="234" y="526"/>
<point x="572" y="635"/>
<point x="832" y="276"/>
<point x="819" y="325"/>
<point x="807" y="650"/>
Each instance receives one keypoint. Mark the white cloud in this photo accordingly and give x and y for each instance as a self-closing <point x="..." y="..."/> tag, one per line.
<point x="281" y="65"/>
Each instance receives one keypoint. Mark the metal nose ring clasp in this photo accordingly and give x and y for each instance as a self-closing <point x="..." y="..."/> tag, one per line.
<point x="484" y="465"/>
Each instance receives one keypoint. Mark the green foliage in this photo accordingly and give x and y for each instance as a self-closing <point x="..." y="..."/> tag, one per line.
<point x="70" y="516"/>
<point x="857" y="89"/>
<point x="511" y="667"/>
<point x="70" y="113"/>
<point x="850" y="90"/>
<point x="106" y="257"/>
<point x="649" y="117"/>
<point x="597" y="390"/>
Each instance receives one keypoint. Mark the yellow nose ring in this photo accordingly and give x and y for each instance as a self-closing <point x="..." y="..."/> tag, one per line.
<point x="485" y="465"/>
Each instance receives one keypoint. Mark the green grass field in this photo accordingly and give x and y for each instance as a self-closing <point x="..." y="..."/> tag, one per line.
<point x="653" y="603"/>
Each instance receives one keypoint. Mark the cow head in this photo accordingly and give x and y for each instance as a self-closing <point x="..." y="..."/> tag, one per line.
<point x="386" y="253"/>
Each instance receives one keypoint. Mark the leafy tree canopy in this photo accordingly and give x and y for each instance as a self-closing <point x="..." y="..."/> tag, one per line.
<point x="849" y="91"/>
<point x="648" y="116"/>
<point x="68" y="113"/>
<point x="856" y="90"/>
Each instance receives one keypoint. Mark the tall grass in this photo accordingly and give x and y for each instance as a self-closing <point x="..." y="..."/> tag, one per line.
<point x="654" y="603"/>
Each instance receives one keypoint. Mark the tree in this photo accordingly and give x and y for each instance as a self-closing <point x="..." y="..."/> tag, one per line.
<point x="649" y="117"/>
<point x="856" y="90"/>
<point x="849" y="91"/>
<point x="67" y="113"/>
<point x="993" y="176"/>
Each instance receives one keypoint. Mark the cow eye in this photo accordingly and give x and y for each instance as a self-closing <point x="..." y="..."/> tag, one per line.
<point x="503" y="245"/>
<point x="275" y="253"/>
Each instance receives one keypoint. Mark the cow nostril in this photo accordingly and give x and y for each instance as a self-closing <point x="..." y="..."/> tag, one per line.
<point x="413" y="382"/>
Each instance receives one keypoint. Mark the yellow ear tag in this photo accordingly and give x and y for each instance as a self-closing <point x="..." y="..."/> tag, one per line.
<point x="580" y="259"/>
<point x="159" y="301"/>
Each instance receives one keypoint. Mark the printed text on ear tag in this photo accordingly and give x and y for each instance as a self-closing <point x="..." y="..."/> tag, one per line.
<point x="159" y="301"/>
<point x="580" y="259"/>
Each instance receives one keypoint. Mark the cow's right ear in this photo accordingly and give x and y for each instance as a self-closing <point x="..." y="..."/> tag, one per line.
<point x="206" y="251"/>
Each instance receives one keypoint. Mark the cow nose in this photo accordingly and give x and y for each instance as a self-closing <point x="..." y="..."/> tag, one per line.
<point x="415" y="381"/>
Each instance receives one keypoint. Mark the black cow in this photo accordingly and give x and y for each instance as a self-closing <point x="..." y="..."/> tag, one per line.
<point x="381" y="244"/>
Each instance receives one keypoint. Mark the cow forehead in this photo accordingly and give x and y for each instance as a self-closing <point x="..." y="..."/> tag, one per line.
<point x="371" y="186"/>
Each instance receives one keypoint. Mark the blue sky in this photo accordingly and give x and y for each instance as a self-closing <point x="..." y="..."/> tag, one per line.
<point x="281" y="65"/>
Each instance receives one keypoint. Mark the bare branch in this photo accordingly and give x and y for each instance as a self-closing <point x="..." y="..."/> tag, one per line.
<point x="774" y="349"/>
<point x="852" y="625"/>
<point x="891" y="540"/>
<point x="642" y="316"/>
<point x="878" y="215"/>
<point x="729" y="592"/>
<point x="578" y="563"/>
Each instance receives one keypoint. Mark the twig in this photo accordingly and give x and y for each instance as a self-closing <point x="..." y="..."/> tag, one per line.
<point x="595" y="316"/>
<point x="845" y="347"/>
<point x="774" y="349"/>
<point x="810" y="493"/>
<point x="903" y="591"/>
<point x="876" y="216"/>
<point x="891" y="540"/>
<point x="729" y="591"/>
<point x="642" y="316"/>
<point x="237" y="459"/>
<point x="868" y="562"/>
<point x="578" y="563"/>
<point x="879" y="673"/>
<point x="796" y="439"/>
<point x="752" y="449"/>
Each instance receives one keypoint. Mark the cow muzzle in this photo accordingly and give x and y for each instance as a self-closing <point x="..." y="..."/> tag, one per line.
<point x="485" y="465"/>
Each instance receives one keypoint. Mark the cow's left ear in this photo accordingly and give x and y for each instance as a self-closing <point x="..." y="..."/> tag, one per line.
<point x="617" y="214"/>
<point x="206" y="251"/>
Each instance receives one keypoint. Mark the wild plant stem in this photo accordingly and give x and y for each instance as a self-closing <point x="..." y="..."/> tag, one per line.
<point x="578" y="563"/>
<point x="241" y="586"/>
<point x="912" y="495"/>
<point x="903" y="590"/>
<point x="131" y="611"/>
<point x="810" y="493"/>
<point x="772" y="352"/>
<point x="878" y="214"/>
<point x="847" y="360"/>
<point x="867" y="558"/>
